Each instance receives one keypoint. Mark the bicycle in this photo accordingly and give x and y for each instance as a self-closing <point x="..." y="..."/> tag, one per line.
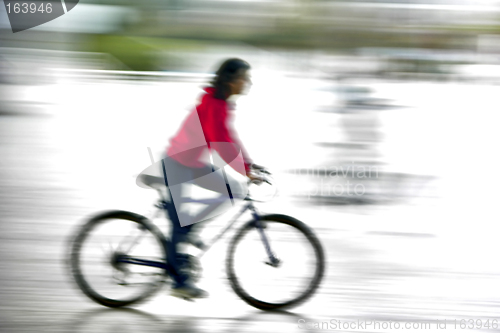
<point x="137" y="266"/>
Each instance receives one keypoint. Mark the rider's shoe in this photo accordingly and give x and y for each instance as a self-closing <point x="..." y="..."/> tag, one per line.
<point x="188" y="291"/>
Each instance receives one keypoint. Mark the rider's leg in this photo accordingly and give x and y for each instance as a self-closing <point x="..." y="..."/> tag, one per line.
<point x="177" y="175"/>
<point x="180" y="178"/>
<point x="178" y="235"/>
<point x="216" y="182"/>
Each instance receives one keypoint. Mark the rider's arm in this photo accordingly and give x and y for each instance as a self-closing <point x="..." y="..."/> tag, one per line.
<point x="236" y="140"/>
<point x="220" y="132"/>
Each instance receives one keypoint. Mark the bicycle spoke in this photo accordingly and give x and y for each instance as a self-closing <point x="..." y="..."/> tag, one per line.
<point x="127" y="238"/>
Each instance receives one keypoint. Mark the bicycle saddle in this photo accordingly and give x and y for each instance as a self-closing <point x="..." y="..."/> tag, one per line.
<point x="144" y="180"/>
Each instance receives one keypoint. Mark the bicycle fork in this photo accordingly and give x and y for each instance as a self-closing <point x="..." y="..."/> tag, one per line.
<point x="273" y="260"/>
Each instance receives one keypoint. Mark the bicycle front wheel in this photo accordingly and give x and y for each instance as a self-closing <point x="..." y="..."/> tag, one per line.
<point x="117" y="257"/>
<point x="282" y="283"/>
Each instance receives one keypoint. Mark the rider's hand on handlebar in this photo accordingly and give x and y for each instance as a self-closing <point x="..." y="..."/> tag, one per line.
<point x="257" y="167"/>
<point x="255" y="179"/>
<point x="258" y="174"/>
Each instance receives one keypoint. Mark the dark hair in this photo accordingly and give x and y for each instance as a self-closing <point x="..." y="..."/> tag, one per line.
<point x="229" y="71"/>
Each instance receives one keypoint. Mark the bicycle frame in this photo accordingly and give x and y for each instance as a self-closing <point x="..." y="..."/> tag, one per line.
<point x="163" y="204"/>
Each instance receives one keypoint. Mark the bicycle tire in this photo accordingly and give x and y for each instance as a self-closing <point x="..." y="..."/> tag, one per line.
<point x="76" y="248"/>
<point x="315" y="279"/>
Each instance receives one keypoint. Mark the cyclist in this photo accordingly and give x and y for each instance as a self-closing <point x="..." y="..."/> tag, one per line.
<point x="207" y="128"/>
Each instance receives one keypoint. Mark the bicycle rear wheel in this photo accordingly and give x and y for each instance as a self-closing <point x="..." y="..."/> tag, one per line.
<point x="288" y="283"/>
<point x="98" y="258"/>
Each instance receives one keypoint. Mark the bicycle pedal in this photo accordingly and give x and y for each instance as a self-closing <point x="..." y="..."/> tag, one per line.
<point x="188" y="299"/>
<point x="274" y="263"/>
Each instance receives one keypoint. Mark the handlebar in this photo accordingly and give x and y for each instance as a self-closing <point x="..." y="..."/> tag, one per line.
<point x="260" y="172"/>
<point x="265" y="193"/>
<point x="259" y="168"/>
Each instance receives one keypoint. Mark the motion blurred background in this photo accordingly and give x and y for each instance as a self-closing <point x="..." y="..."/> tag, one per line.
<point x="379" y="120"/>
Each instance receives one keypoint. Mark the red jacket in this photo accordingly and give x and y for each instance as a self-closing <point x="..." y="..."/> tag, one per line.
<point x="206" y="126"/>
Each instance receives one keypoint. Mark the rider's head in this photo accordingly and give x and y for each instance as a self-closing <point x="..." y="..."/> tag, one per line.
<point x="231" y="78"/>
